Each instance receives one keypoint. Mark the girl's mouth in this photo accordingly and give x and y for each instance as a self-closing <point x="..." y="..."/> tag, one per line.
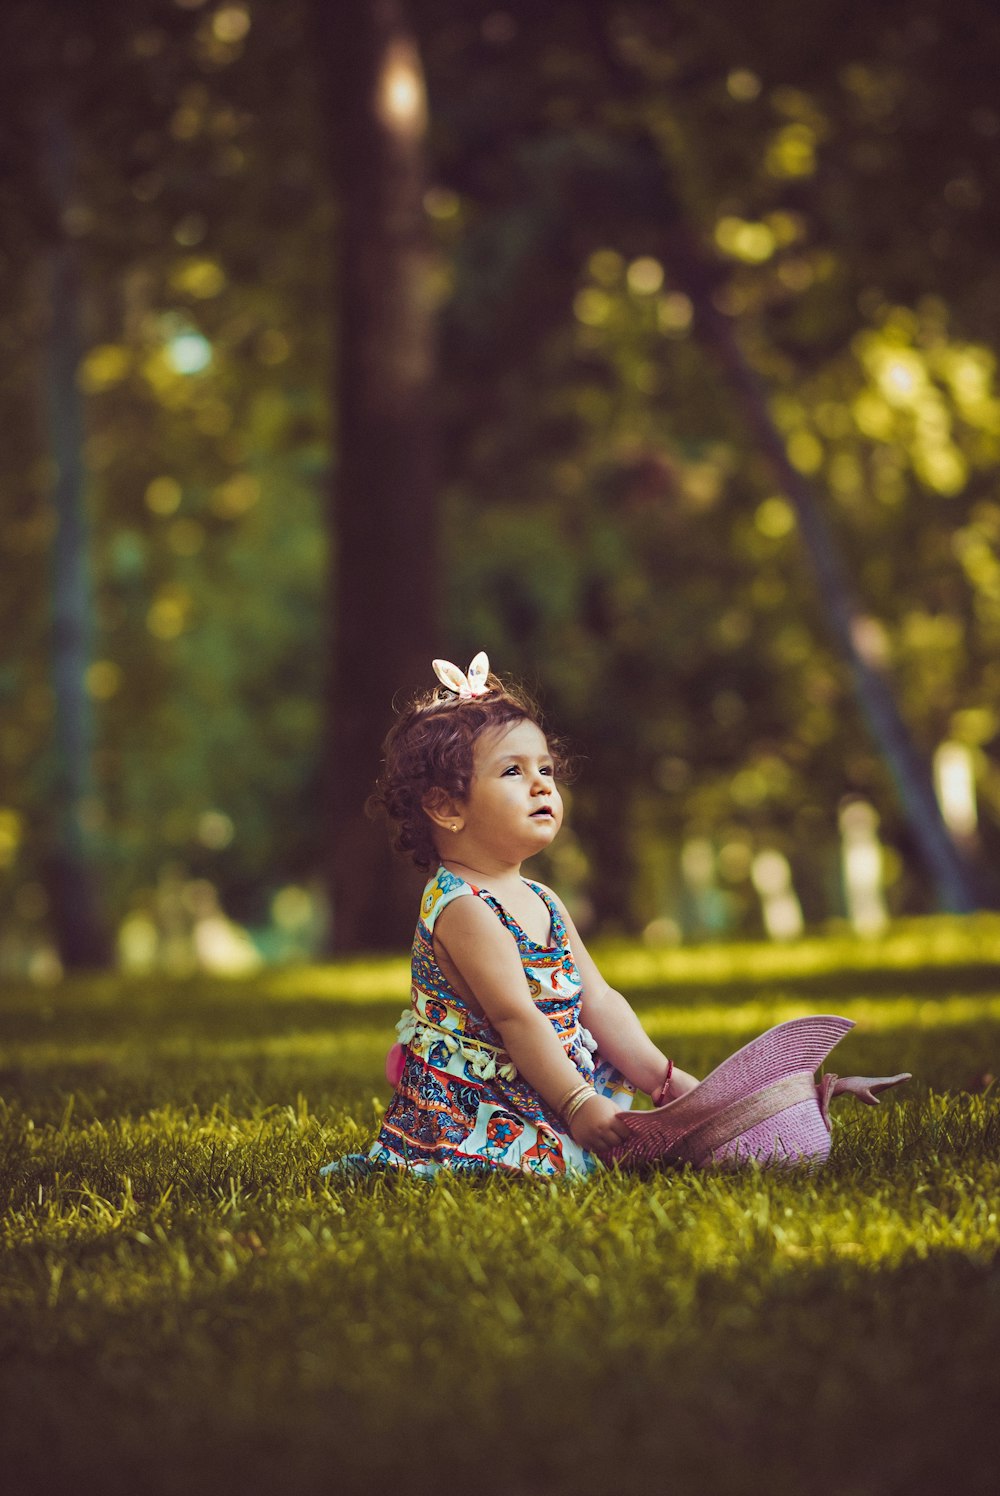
<point x="544" y="810"/>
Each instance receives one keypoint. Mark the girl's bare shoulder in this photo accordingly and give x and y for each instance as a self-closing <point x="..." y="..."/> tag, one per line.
<point x="469" y="917"/>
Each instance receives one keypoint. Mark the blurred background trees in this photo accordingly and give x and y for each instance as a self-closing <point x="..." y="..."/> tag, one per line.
<point x="591" y="189"/>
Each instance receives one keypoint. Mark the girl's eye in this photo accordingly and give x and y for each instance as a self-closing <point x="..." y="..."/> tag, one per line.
<point x="511" y="769"/>
<point x="548" y="769"/>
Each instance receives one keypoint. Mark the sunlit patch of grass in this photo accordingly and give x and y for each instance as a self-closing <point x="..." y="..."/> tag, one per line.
<point x="908" y="946"/>
<point x="186" y="1306"/>
<point x="879" y="1015"/>
<point x="348" y="981"/>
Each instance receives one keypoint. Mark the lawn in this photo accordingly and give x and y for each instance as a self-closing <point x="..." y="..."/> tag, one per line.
<point x="186" y="1307"/>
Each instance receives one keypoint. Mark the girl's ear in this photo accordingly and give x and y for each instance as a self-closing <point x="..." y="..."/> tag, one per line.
<point x="443" y="809"/>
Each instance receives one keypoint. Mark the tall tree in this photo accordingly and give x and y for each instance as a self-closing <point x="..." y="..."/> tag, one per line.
<point x="384" y="580"/>
<point x="42" y="89"/>
<point x="71" y="864"/>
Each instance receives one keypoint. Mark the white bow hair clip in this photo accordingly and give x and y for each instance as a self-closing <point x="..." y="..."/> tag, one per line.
<point x="464" y="686"/>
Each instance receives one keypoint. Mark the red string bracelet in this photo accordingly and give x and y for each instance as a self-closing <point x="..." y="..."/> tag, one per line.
<point x="659" y="1096"/>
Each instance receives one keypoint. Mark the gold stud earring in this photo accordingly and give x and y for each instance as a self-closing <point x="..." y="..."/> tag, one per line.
<point x="454" y="828"/>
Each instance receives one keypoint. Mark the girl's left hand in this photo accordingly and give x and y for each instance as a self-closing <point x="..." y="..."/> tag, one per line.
<point x="679" y="1084"/>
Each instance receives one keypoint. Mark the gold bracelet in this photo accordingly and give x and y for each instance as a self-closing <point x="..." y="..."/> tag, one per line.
<point x="583" y="1085"/>
<point x="577" y="1105"/>
<point x="580" y="1099"/>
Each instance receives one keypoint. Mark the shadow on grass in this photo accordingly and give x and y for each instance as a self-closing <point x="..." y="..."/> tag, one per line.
<point x="874" y="1379"/>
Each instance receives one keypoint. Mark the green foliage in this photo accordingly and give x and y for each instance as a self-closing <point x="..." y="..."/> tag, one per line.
<point x="695" y="640"/>
<point x="205" y="386"/>
<point x="612" y="533"/>
<point x="176" y="1277"/>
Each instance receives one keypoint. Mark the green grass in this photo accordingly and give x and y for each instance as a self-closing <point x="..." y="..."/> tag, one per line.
<point x="186" y="1307"/>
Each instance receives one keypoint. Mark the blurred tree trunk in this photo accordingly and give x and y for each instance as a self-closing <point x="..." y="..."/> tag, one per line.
<point x="71" y="860"/>
<point x="609" y="831"/>
<point x="384" y="581"/>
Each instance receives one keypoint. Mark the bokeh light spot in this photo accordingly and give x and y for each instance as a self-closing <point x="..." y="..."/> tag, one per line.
<point x="234" y="497"/>
<point x="871" y="640"/>
<point x="976" y="725"/>
<point x="605" y="266"/>
<point x="645" y="276"/>
<point x="231" y="23"/>
<point x="292" y="907"/>
<point x="163" y="495"/>
<point x="872" y="415"/>
<point x="743" y="85"/>
<point x="942" y="468"/>
<point x="592" y="307"/>
<point x="10" y="835"/>
<point x="198" y="277"/>
<point x="167" y="617"/>
<point x="792" y="152"/>
<point x="104" y="366"/>
<point x="745" y="240"/>
<point x="215" y="830"/>
<point x="805" y="452"/>
<point x="189" y="353"/>
<point x="901" y="376"/>
<point x="103" y="679"/>
<point x="775" y="518"/>
<point x="401" y="100"/>
<point x="674" y="312"/>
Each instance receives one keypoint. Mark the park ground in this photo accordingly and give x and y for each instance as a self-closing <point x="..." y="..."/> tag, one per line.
<point x="186" y="1306"/>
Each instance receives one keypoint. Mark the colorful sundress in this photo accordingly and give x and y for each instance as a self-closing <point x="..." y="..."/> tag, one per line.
<point x="459" y="1103"/>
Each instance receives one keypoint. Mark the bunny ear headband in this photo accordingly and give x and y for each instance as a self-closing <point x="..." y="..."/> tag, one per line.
<point x="464" y="686"/>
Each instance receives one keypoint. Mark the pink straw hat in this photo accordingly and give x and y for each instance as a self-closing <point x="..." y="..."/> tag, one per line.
<point x="763" y="1104"/>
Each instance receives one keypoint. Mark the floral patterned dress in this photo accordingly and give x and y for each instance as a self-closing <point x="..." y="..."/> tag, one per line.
<point x="459" y="1103"/>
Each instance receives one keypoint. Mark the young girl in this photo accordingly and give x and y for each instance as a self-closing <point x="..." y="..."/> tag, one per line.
<point x="515" y="1053"/>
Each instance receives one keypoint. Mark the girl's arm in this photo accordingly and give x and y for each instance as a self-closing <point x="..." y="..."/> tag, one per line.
<point x="620" y="1036"/>
<point x="485" y="956"/>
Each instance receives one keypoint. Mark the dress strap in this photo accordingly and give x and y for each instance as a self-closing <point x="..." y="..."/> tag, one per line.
<point x="439" y="893"/>
<point x="559" y="935"/>
<point x="445" y="886"/>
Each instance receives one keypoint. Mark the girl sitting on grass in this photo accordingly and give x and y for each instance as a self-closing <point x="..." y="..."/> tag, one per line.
<point x="515" y="1055"/>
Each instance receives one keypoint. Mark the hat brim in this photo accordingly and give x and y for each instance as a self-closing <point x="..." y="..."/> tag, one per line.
<point x="797" y="1047"/>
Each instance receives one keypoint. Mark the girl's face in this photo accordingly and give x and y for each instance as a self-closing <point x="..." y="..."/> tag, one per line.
<point x="514" y="808"/>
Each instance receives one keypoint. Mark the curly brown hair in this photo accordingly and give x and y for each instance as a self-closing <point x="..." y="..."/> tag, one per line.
<point x="431" y="746"/>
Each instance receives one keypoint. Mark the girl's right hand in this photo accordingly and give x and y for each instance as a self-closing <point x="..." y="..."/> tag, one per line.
<point x="597" y="1125"/>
